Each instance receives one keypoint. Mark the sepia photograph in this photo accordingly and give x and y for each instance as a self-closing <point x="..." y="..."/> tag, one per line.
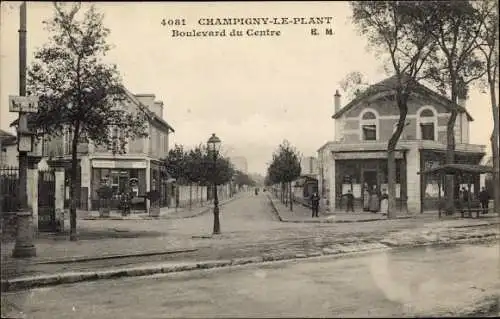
<point x="261" y="159"/>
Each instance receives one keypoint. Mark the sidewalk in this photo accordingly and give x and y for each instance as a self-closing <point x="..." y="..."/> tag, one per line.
<point x="189" y="254"/>
<point x="150" y="246"/>
<point x="302" y="214"/>
<point x="165" y="212"/>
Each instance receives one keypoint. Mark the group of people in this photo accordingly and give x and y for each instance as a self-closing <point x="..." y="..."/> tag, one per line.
<point x="373" y="200"/>
<point x="484" y="198"/>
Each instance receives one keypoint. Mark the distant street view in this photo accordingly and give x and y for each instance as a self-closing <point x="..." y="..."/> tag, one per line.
<point x="145" y="174"/>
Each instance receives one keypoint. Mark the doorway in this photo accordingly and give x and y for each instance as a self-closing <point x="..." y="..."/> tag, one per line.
<point x="370" y="178"/>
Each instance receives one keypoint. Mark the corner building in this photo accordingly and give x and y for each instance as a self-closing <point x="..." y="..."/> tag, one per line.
<point x="358" y="154"/>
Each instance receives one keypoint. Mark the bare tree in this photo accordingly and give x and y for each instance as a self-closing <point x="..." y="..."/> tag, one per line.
<point x="455" y="26"/>
<point x="487" y="44"/>
<point x="390" y="29"/>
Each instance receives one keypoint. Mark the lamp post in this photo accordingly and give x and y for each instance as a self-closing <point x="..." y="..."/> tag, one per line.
<point x="24" y="246"/>
<point x="213" y="145"/>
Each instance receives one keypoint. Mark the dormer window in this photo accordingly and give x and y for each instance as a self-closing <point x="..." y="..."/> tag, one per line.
<point x="369" y="126"/>
<point x="427" y="124"/>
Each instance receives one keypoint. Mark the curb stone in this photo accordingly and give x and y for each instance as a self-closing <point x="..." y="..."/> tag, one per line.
<point x="24" y="283"/>
<point x="105" y="257"/>
<point x="327" y="221"/>
<point x="275" y="210"/>
<point x="201" y="212"/>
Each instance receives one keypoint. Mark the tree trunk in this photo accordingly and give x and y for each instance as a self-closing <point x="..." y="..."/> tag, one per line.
<point x="391" y="184"/>
<point x="450" y="159"/>
<point x="495" y="148"/>
<point x="73" y="184"/>
<point x="391" y="159"/>
<point x="283" y="190"/>
<point x="190" y="196"/>
<point x="291" y="196"/>
<point x="216" y="229"/>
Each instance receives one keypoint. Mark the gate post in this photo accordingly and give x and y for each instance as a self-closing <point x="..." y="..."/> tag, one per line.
<point x="32" y="195"/>
<point x="60" y="194"/>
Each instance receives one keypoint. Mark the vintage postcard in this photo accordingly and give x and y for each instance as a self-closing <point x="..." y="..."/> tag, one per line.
<point x="249" y="159"/>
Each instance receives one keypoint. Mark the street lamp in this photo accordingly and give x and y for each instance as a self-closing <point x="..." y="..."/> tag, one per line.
<point x="213" y="145"/>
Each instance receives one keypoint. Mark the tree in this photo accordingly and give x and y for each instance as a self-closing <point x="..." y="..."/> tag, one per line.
<point x="241" y="179"/>
<point x="455" y="26"/>
<point x="78" y="93"/>
<point x="390" y="29"/>
<point x="175" y="162"/>
<point x="487" y="44"/>
<point x="354" y="84"/>
<point x="194" y="169"/>
<point x="285" y="168"/>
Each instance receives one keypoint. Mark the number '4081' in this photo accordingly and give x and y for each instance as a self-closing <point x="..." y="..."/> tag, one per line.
<point x="173" y="22"/>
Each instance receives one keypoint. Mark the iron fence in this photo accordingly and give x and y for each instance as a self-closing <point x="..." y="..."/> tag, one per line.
<point x="9" y="178"/>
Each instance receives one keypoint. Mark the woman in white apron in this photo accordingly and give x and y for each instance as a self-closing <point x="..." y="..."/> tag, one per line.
<point x="375" y="200"/>
<point x="384" y="203"/>
<point x="366" y="198"/>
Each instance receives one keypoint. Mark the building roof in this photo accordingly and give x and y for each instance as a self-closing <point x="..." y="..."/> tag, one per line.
<point x="151" y="115"/>
<point x="7" y="138"/>
<point x="390" y="83"/>
<point x="5" y="134"/>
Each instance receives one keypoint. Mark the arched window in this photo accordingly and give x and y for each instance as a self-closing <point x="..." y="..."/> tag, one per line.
<point x="369" y="116"/>
<point x="427" y="124"/>
<point x="369" y="126"/>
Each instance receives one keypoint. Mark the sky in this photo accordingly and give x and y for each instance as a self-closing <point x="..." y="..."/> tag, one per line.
<point x="253" y="92"/>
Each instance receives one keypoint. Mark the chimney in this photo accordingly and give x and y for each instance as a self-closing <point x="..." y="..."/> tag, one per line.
<point x="336" y="99"/>
<point x="146" y="99"/>
<point x="158" y="108"/>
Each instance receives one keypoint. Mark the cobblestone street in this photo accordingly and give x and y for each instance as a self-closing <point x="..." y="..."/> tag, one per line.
<point x="417" y="282"/>
<point x="249" y="228"/>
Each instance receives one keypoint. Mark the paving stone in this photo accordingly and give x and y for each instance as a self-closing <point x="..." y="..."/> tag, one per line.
<point x="213" y="264"/>
<point x="314" y="254"/>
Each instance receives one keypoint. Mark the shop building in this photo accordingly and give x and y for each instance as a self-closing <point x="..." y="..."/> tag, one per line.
<point x="358" y="154"/>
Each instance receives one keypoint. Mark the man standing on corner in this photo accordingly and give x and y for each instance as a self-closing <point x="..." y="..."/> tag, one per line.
<point x="315" y="204"/>
<point x="350" y="202"/>
<point x="484" y="198"/>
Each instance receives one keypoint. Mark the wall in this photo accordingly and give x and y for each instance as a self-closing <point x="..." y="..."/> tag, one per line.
<point x="309" y="165"/>
<point x="199" y="194"/>
<point x="386" y="107"/>
<point x="158" y="142"/>
<point x="413" y="181"/>
<point x="388" y="117"/>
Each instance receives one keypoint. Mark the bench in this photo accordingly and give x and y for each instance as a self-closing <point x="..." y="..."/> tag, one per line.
<point x="474" y="206"/>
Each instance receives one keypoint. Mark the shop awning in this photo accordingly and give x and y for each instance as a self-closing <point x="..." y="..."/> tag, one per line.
<point x="458" y="168"/>
<point x="365" y="155"/>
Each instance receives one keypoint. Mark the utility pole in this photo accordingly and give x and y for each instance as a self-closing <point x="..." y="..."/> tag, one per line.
<point x="24" y="246"/>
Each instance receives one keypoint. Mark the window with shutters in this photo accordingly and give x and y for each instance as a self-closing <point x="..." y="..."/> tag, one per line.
<point x="427" y="124"/>
<point x="369" y="126"/>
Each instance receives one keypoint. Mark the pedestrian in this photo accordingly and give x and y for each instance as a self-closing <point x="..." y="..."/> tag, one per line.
<point x="366" y="198"/>
<point x="349" y="201"/>
<point x="465" y="195"/>
<point x="484" y="198"/>
<point x="465" y="198"/>
<point x="315" y="204"/>
<point x="374" y="200"/>
<point x="384" y="202"/>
